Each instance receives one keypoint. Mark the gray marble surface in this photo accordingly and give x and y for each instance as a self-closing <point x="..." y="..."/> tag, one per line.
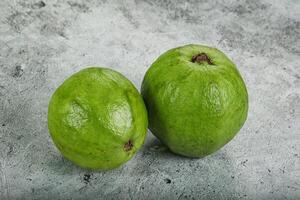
<point x="44" y="42"/>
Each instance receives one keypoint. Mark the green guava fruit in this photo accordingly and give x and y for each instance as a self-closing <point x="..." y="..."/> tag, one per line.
<point x="196" y="100"/>
<point x="97" y="119"/>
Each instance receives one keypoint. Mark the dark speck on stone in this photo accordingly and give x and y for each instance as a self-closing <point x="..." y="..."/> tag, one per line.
<point x="79" y="7"/>
<point x="168" y="181"/>
<point x="19" y="137"/>
<point x="10" y="150"/>
<point x="87" y="178"/>
<point x="40" y="4"/>
<point x="18" y="72"/>
<point x="3" y="124"/>
<point x="244" y="162"/>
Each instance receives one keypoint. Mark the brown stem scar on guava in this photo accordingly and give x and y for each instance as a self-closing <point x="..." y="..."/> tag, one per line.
<point x="128" y="145"/>
<point x="200" y="58"/>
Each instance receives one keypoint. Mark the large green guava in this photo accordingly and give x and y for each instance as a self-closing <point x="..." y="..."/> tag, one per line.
<point x="196" y="99"/>
<point x="97" y="119"/>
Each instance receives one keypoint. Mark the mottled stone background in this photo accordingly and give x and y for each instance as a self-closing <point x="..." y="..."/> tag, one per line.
<point x="44" y="42"/>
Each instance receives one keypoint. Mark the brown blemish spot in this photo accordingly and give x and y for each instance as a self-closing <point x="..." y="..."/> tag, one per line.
<point x="128" y="145"/>
<point x="200" y="58"/>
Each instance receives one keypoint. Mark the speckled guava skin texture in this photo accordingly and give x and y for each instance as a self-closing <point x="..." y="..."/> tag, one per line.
<point x="194" y="108"/>
<point x="97" y="119"/>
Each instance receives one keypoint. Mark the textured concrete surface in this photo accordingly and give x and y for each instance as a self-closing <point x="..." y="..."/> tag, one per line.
<point x="43" y="42"/>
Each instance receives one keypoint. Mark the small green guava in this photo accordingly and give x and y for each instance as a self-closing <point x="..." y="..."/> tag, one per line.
<point x="97" y="119"/>
<point x="196" y="99"/>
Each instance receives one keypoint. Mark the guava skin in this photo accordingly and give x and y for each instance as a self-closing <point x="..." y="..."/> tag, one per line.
<point x="195" y="106"/>
<point x="97" y="119"/>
